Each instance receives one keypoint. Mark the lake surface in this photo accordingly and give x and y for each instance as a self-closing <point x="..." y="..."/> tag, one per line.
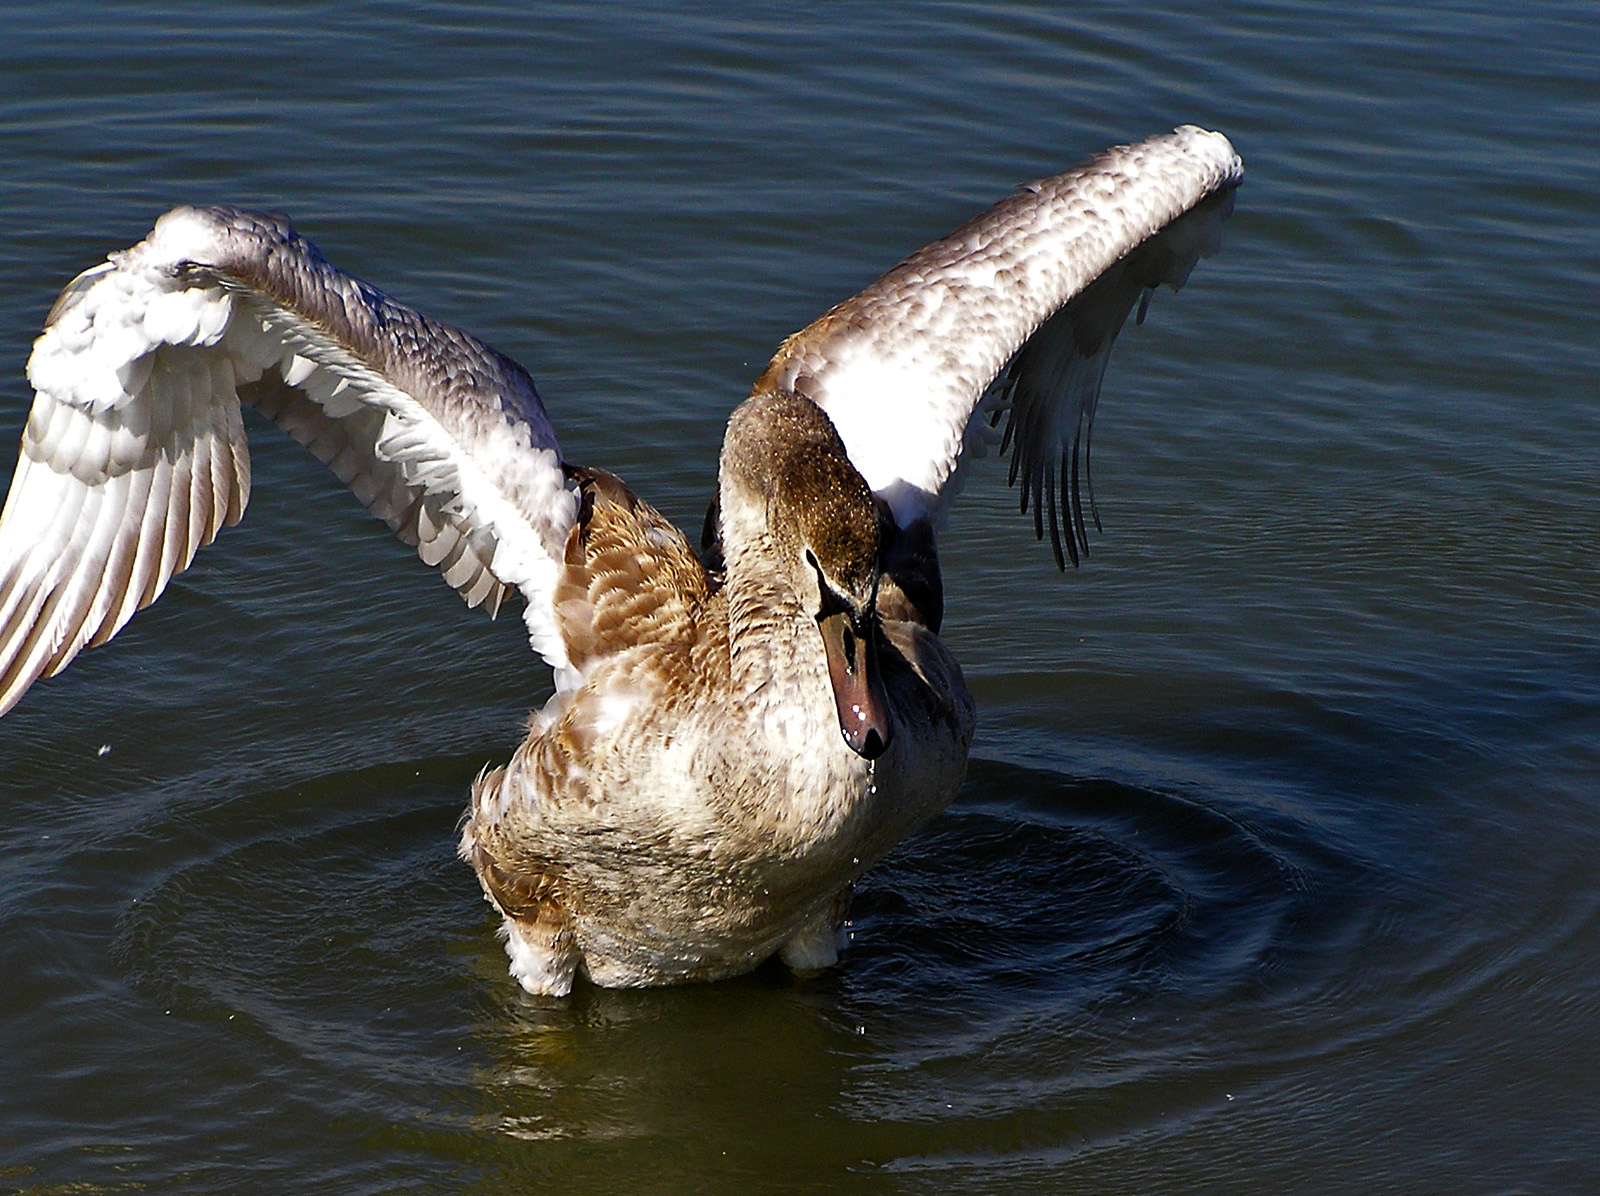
<point x="1276" y="866"/>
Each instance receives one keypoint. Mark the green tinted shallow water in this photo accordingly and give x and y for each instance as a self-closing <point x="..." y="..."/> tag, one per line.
<point x="1275" y="870"/>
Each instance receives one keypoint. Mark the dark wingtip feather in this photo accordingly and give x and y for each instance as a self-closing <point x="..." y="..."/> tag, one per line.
<point x="1055" y="524"/>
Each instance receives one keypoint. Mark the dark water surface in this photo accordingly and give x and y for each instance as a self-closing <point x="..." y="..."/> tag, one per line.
<point x="1276" y="870"/>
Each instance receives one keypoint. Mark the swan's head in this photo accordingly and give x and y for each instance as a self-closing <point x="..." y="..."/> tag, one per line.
<point x="787" y="479"/>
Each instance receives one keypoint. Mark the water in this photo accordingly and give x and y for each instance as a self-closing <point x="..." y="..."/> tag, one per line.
<point x="1275" y="868"/>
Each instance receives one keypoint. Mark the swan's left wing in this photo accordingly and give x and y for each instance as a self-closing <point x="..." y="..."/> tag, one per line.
<point x="1026" y="299"/>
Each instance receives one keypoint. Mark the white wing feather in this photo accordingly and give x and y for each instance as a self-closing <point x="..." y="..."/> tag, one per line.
<point x="134" y="452"/>
<point x="901" y="367"/>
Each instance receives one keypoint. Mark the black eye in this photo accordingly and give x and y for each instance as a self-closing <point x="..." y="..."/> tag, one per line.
<point x="832" y="602"/>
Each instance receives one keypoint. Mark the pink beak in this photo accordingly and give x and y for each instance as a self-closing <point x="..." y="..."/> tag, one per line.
<point x="857" y="688"/>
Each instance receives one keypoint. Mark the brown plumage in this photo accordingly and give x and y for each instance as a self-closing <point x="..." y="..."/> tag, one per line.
<point x="735" y="737"/>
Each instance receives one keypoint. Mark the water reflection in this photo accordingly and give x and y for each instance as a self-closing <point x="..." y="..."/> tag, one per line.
<point x="1055" y="959"/>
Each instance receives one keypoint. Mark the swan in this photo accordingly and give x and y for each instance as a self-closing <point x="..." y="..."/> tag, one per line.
<point x="737" y="731"/>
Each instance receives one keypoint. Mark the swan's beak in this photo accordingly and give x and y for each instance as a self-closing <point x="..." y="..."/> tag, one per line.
<point x="857" y="687"/>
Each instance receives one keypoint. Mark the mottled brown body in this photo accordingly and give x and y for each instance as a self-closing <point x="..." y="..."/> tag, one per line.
<point x="733" y="740"/>
<point x="692" y="807"/>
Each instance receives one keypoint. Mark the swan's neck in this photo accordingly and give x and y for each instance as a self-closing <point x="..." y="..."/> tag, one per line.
<point x="772" y="640"/>
<point x="779" y="675"/>
<point x="785" y="483"/>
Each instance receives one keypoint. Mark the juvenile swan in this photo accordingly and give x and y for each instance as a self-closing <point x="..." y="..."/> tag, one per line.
<point x="736" y="734"/>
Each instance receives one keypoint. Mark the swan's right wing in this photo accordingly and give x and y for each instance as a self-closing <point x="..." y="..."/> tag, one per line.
<point x="134" y="452"/>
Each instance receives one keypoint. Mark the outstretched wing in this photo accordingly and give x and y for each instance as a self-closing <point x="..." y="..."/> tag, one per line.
<point x="1026" y="299"/>
<point x="134" y="452"/>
